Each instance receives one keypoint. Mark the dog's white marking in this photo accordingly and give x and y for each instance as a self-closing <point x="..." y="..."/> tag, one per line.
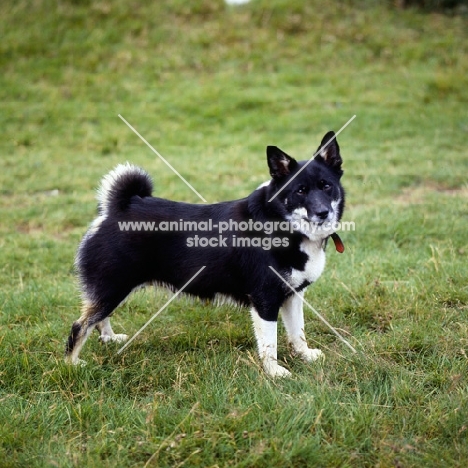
<point x="298" y="218"/>
<point x="334" y="205"/>
<point x="313" y="227"/>
<point x="107" y="334"/>
<point x="267" y="343"/>
<point x="110" y="181"/>
<point x="292" y="314"/>
<point x="314" y="266"/>
<point x="73" y="357"/>
<point x="264" y="184"/>
<point x="78" y="362"/>
<point x="299" y="213"/>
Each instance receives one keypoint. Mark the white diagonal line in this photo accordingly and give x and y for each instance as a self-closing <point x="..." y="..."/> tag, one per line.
<point x="313" y="310"/>
<point x="163" y="159"/>
<point x="311" y="159"/>
<point x="161" y="309"/>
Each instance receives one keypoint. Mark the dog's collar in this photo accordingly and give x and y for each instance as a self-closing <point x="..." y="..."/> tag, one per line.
<point x="339" y="246"/>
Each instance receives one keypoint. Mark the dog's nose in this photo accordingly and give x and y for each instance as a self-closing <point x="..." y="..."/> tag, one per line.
<point x="322" y="214"/>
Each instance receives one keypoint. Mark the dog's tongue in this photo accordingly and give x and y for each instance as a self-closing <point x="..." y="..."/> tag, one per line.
<point x="338" y="242"/>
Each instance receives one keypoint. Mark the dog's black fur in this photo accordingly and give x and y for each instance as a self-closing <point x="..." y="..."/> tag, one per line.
<point x="112" y="262"/>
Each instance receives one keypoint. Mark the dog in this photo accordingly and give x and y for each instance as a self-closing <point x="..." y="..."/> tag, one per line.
<point x="265" y="269"/>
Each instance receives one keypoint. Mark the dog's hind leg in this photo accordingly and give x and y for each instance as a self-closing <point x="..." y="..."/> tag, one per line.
<point x="80" y="331"/>
<point x="107" y="334"/>
<point x="94" y="315"/>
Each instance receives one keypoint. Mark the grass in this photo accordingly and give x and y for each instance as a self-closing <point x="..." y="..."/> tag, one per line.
<point x="210" y="86"/>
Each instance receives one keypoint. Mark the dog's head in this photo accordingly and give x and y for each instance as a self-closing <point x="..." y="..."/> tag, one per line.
<point x="308" y="193"/>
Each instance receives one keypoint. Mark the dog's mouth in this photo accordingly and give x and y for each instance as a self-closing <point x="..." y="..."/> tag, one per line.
<point x="319" y="222"/>
<point x="339" y="246"/>
<point x="316" y="221"/>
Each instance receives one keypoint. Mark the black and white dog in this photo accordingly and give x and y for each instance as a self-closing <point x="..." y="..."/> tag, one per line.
<point x="281" y="228"/>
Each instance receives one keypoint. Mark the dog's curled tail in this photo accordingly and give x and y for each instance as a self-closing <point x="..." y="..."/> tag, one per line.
<point x="120" y="185"/>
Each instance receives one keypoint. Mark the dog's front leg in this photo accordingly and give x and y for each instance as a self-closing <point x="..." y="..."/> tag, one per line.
<point x="293" y="318"/>
<point x="267" y="342"/>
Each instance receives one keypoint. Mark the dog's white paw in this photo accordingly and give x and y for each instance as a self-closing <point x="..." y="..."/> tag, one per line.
<point x="311" y="355"/>
<point x="281" y="372"/>
<point x="275" y="370"/>
<point x="75" y="362"/>
<point x="118" y="338"/>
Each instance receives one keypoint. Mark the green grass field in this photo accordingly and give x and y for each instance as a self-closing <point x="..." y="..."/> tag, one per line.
<point x="210" y="86"/>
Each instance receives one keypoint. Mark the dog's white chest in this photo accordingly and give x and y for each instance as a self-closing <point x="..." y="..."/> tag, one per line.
<point x="313" y="267"/>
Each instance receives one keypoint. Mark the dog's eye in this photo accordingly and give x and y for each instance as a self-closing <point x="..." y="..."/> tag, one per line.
<point x="301" y="190"/>
<point x="324" y="185"/>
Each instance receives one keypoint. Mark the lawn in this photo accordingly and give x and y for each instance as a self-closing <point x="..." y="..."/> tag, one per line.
<point x="210" y="86"/>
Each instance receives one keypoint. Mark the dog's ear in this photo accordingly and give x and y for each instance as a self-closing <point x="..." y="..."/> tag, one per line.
<point x="329" y="152"/>
<point x="279" y="162"/>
